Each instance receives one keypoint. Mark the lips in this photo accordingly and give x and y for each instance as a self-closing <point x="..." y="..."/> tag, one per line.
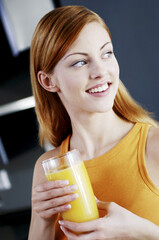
<point x="99" y="88"/>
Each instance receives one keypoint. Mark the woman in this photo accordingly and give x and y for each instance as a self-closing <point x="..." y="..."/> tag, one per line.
<point x="82" y="104"/>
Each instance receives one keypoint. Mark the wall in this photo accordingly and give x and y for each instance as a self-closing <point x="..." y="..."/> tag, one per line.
<point x="134" y="26"/>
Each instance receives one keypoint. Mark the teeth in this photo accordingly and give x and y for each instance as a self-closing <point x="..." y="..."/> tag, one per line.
<point x="99" y="89"/>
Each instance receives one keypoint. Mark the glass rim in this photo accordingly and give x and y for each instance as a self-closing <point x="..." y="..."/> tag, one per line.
<point x="58" y="156"/>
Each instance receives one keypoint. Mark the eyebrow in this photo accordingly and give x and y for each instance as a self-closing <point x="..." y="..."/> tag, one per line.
<point x="85" y="54"/>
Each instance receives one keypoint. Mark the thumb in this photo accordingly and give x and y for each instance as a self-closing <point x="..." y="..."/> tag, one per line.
<point x="103" y="205"/>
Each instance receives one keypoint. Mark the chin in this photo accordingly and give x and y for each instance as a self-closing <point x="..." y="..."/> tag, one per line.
<point x="104" y="109"/>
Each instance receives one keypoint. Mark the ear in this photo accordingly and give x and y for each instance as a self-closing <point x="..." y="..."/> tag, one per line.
<point x="46" y="81"/>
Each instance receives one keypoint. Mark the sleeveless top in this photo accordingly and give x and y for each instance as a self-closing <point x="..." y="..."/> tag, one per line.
<point x="120" y="175"/>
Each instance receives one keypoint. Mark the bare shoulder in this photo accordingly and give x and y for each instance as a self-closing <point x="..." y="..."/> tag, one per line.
<point x="152" y="154"/>
<point x="38" y="176"/>
<point x="47" y="155"/>
<point x="153" y="143"/>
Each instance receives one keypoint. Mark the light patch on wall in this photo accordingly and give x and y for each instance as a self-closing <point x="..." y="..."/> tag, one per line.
<point x="5" y="183"/>
<point x="19" y="18"/>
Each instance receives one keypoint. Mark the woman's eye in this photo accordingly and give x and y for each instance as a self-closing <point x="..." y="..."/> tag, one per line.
<point x="79" y="63"/>
<point x="107" y="54"/>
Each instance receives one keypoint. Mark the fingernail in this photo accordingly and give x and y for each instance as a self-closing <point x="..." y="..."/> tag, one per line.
<point x="96" y="199"/>
<point x="73" y="196"/>
<point x="60" y="222"/>
<point x="68" y="206"/>
<point x="64" y="182"/>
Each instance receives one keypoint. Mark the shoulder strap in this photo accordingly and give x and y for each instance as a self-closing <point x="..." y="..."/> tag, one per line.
<point x="65" y="145"/>
<point x="143" y="139"/>
<point x="141" y="159"/>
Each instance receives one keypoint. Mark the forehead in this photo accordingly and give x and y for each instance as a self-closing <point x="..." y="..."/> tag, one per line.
<point x="92" y="34"/>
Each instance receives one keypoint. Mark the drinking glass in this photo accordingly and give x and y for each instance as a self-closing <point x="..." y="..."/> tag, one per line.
<point x="70" y="167"/>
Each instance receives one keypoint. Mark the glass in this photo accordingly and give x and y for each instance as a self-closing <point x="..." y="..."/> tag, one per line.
<point x="70" y="167"/>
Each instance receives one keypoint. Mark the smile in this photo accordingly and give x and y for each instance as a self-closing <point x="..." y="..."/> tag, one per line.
<point x="99" y="89"/>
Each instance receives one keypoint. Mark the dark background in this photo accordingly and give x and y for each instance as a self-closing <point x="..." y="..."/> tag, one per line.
<point x="134" y="26"/>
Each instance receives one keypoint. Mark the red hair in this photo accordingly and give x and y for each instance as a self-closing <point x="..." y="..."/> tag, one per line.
<point x="53" y="36"/>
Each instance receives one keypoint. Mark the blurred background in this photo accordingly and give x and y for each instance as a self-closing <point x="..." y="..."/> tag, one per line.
<point x="134" y="26"/>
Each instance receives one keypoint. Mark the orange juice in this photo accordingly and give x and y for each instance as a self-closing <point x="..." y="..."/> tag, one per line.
<point x="84" y="208"/>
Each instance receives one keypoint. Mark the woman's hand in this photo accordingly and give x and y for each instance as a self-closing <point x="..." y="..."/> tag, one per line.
<point x="118" y="224"/>
<point x="52" y="197"/>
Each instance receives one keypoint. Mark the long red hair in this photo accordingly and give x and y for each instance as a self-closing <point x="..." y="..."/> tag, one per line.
<point x="53" y="35"/>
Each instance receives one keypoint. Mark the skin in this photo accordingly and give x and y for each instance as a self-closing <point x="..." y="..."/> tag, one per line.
<point x="89" y="62"/>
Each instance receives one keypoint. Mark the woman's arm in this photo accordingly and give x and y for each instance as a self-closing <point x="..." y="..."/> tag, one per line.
<point x="40" y="229"/>
<point x="48" y="199"/>
<point x="152" y="231"/>
<point x="39" y="225"/>
<point x="118" y="224"/>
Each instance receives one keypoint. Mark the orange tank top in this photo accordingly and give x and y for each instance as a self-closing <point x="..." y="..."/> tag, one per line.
<point x="120" y="175"/>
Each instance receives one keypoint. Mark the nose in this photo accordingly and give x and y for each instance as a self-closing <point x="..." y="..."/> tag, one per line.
<point x="97" y="69"/>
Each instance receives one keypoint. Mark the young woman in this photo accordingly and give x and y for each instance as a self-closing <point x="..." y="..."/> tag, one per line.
<point x="82" y="104"/>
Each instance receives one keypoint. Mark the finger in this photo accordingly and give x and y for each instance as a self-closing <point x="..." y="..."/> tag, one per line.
<point x="68" y="234"/>
<point x="101" y="204"/>
<point x="55" y="202"/>
<point x="74" y="236"/>
<point x="50" y="185"/>
<point x="52" y="211"/>
<point x="53" y="193"/>
<point x="80" y="227"/>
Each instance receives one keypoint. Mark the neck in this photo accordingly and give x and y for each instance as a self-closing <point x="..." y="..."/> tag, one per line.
<point x="97" y="133"/>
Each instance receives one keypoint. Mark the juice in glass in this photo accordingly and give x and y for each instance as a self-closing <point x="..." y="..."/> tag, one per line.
<point x="84" y="208"/>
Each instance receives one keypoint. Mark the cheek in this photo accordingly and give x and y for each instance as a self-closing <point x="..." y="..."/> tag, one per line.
<point x="116" y="69"/>
<point x="114" y="72"/>
<point x="68" y="85"/>
<point x="72" y="81"/>
<point x="64" y="79"/>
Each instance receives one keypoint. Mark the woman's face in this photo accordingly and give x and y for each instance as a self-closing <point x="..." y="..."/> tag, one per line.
<point x="88" y="75"/>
